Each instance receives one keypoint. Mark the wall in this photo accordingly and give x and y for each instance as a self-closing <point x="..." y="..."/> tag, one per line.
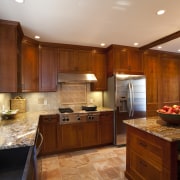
<point x="54" y="100"/>
<point x="5" y="100"/>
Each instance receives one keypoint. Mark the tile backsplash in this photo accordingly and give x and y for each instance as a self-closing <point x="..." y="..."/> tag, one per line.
<point x="5" y="100"/>
<point x="67" y="95"/>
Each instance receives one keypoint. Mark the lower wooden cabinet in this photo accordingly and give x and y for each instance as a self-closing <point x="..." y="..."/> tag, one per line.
<point x="149" y="157"/>
<point x="48" y="128"/>
<point x="106" y="127"/>
<point x="70" y="136"/>
<point x="90" y="133"/>
<point x="63" y="137"/>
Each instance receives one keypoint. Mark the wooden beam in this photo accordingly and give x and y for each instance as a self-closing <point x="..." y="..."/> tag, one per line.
<point x="161" y="41"/>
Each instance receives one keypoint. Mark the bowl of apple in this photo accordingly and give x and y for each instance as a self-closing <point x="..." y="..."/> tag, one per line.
<point x="170" y="114"/>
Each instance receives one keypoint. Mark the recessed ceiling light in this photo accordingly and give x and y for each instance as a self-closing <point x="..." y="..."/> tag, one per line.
<point x="178" y="50"/>
<point x="37" y="37"/>
<point x="161" y="12"/>
<point x="136" y="44"/>
<point x="103" y="44"/>
<point x="159" y="47"/>
<point x="19" y="1"/>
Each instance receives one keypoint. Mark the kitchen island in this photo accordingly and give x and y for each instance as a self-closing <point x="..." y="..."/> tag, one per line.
<point x="152" y="149"/>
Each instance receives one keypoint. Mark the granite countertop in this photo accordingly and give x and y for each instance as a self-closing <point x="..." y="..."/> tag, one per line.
<point x="20" y="131"/>
<point x="157" y="127"/>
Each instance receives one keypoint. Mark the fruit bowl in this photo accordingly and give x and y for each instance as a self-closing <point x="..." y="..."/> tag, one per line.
<point x="169" y="118"/>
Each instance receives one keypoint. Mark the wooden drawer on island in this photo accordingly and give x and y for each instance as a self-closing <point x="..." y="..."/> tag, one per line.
<point x="149" y="157"/>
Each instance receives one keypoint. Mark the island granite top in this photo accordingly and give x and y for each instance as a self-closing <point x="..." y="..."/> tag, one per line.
<point x="157" y="127"/>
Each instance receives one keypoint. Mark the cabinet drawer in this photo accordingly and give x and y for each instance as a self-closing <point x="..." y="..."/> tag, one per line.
<point x="106" y="115"/>
<point x="143" y="169"/>
<point x="49" y="118"/>
<point x="151" y="151"/>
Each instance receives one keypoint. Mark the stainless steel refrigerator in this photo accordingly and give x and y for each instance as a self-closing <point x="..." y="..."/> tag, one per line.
<point x="126" y="94"/>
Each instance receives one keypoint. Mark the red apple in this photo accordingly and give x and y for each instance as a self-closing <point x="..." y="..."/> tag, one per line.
<point x="166" y="108"/>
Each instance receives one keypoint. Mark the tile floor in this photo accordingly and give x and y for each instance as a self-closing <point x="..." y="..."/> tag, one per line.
<point x="105" y="163"/>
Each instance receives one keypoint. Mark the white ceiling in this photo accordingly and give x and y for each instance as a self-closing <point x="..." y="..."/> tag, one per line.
<point x="91" y="22"/>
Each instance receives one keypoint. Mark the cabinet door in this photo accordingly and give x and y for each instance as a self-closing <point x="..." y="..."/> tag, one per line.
<point x="169" y="85"/>
<point x="121" y="60"/>
<point x="135" y="61"/>
<point x="66" y="61"/>
<point x="71" y="136"/>
<point x="106" y="128"/>
<point x="48" y="128"/>
<point x="9" y="54"/>
<point x="124" y="59"/>
<point x="48" y="69"/>
<point x="75" y="61"/>
<point x="29" y="66"/>
<point x="90" y="134"/>
<point x="151" y="70"/>
<point x="99" y="68"/>
<point x="84" y="61"/>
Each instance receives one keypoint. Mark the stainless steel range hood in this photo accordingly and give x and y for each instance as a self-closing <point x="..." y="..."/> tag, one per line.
<point x="76" y="78"/>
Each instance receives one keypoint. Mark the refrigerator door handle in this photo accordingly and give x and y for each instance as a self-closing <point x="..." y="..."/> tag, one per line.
<point x="130" y="99"/>
<point x="132" y="91"/>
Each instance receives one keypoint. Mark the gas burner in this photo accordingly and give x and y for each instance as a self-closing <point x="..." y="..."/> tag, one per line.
<point x="65" y="110"/>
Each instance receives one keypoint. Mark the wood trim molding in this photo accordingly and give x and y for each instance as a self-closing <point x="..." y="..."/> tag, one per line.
<point x="161" y="40"/>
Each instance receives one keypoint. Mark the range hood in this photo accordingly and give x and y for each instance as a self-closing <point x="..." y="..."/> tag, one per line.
<point x="76" y="78"/>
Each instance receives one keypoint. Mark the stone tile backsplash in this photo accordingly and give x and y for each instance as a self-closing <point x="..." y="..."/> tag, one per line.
<point x="67" y="95"/>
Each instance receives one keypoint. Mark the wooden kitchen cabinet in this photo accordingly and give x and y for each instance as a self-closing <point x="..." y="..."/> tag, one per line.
<point x="71" y="136"/>
<point x="75" y="61"/>
<point x="48" y="127"/>
<point x="100" y="70"/>
<point x="169" y="83"/>
<point x="123" y="59"/>
<point x="48" y="61"/>
<point x="149" y="157"/>
<point x="90" y="134"/>
<point x="10" y="55"/>
<point x="151" y="60"/>
<point x="106" y="127"/>
<point x="29" y="66"/>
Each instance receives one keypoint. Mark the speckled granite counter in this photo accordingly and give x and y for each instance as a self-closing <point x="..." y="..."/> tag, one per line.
<point x="21" y="131"/>
<point x="157" y="127"/>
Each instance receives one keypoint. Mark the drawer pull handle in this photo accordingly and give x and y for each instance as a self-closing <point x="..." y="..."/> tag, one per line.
<point x="143" y="144"/>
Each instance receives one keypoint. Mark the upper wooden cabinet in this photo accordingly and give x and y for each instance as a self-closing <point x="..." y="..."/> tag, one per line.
<point x="151" y="71"/>
<point x="75" y="61"/>
<point x="10" y="53"/>
<point x="29" y="66"/>
<point x="48" y="60"/>
<point x="123" y="59"/>
<point x="169" y="83"/>
<point x="100" y="70"/>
